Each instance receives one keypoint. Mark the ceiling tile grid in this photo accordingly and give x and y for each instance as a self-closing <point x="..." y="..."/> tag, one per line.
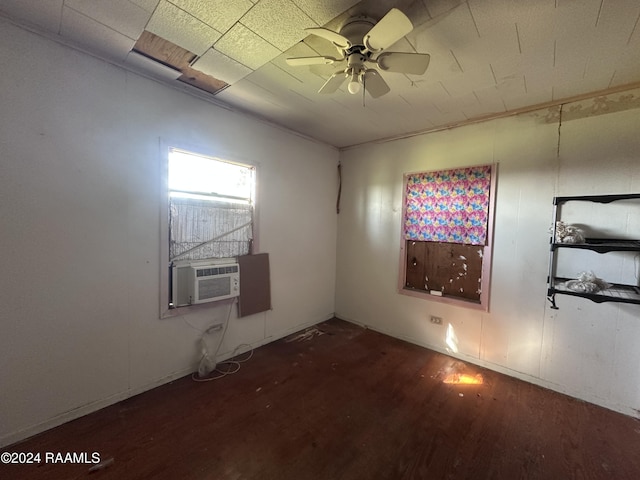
<point x="148" y="5"/>
<point x="221" y="67"/>
<point x="518" y="102"/>
<point x="279" y="82"/>
<point x="323" y="12"/>
<point x="46" y="15"/>
<point x="122" y="16"/>
<point x="487" y="56"/>
<point x="94" y="36"/>
<point x="280" y="22"/>
<point x="218" y="14"/>
<point x="255" y="50"/>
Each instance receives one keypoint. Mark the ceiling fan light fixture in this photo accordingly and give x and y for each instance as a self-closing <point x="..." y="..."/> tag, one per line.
<point x="354" y="83"/>
<point x="370" y="51"/>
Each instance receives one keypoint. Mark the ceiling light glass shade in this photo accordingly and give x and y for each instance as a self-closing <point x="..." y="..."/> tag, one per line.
<point x="354" y="84"/>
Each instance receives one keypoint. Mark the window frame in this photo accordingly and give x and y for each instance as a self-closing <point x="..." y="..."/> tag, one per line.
<point x="487" y="248"/>
<point x="164" y="148"/>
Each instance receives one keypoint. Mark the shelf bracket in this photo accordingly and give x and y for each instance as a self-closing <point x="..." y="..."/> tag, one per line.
<point x="552" y="300"/>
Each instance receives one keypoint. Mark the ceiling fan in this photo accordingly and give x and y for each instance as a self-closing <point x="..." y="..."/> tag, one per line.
<point x="361" y="42"/>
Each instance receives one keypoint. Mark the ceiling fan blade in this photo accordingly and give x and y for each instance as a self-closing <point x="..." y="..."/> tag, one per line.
<point x="375" y="84"/>
<point x="335" y="38"/>
<point x="301" y="61"/>
<point x="334" y="82"/>
<point x="391" y="28"/>
<point x="412" y="63"/>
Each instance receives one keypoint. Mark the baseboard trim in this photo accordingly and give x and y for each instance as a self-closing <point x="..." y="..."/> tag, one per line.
<point x="24" y="434"/>
<point x="625" y="410"/>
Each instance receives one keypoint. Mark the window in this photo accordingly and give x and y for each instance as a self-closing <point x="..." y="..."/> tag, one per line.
<point x="446" y="236"/>
<point x="209" y="211"/>
<point x="210" y="207"/>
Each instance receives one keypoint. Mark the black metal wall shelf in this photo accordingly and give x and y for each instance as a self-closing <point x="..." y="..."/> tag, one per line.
<point x="620" y="293"/>
<point x="597" y="198"/>
<point x="602" y="245"/>
<point x="615" y="293"/>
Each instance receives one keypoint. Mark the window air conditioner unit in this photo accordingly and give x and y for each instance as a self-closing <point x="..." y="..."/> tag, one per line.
<point x="201" y="283"/>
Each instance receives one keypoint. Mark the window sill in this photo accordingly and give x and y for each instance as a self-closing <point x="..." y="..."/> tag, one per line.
<point x="459" y="302"/>
<point x="187" y="309"/>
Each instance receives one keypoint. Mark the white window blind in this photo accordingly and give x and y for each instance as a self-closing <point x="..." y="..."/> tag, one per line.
<point x="202" y="229"/>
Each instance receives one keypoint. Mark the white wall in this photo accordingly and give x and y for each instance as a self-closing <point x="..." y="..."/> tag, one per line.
<point x="583" y="349"/>
<point x="80" y="192"/>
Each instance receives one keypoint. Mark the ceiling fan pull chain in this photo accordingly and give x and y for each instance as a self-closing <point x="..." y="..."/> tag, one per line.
<point x="364" y="89"/>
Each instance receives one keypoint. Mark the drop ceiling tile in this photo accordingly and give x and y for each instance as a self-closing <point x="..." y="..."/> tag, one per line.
<point x="469" y="81"/>
<point x="517" y="102"/>
<point x="627" y="69"/>
<point x="47" y="15"/>
<point x="538" y="79"/>
<point x="94" y="36"/>
<point x="512" y="86"/>
<point x="455" y="30"/>
<point x="450" y="117"/>
<point x="442" y="7"/>
<point x="539" y="65"/>
<point x="615" y="24"/>
<point x="221" y="67"/>
<point x="244" y="46"/>
<point x="534" y="36"/>
<point x="121" y="15"/>
<point x="186" y="31"/>
<point x="426" y="91"/>
<point x="148" y="5"/>
<point x="323" y="12"/>
<point x="281" y="82"/>
<point x="472" y="108"/>
<point x="274" y="79"/>
<point x="247" y="96"/>
<point x="280" y="22"/>
<point x="219" y="14"/>
<point x="494" y="15"/>
<point x="491" y="99"/>
<point x="577" y="20"/>
<point x="585" y="85"/>
<point x="454" y="104"/>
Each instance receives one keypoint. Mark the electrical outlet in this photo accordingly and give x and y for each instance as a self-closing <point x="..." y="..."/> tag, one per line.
<point x="436" y="320"/>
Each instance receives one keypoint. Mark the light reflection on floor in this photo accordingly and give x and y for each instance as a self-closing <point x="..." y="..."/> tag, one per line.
<point x="463" y="379"/>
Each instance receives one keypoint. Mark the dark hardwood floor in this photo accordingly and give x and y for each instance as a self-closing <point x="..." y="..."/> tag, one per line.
<point x="347" y="404"/>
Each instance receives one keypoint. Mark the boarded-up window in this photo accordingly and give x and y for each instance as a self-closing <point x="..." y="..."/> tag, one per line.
<point x="447" y="233"/>
<point x="452" y="269"/>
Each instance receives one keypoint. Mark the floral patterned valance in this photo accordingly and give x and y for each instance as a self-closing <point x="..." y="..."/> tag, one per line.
<point x="448" y="205"/>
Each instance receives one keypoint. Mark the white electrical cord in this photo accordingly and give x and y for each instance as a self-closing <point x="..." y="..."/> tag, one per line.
<point x="232" y="365"/>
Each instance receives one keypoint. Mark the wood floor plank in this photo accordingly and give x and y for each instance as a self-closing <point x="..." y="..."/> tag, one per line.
<point x="347" y="404"/>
